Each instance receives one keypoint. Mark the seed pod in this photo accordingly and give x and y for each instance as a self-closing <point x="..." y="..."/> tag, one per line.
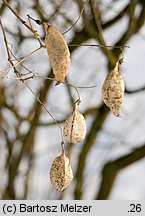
<point x="113" y="90"/>
<point x="75" y="128"/>
<point x="61" y="173"/>
<point x="58" y="52"/>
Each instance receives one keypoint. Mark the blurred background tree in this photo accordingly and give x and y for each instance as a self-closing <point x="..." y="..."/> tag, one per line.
<point x="110" y="162"/>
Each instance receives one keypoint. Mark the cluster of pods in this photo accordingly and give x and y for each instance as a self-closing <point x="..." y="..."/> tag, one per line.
<point x="74" y="130"/>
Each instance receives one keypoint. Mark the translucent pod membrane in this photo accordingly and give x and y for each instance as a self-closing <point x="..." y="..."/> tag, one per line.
<point x="113" y="91"/>
<point x="58" y="52"/>
<point x="75" y="128"/>
<point x="61" y="173"/>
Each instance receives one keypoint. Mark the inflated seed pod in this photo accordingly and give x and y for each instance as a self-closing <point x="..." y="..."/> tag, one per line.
<point x="113" y="90"/>
<point x="75" y="127"/>
<point x="61" y="173"/>
<point x="58" y="52"/>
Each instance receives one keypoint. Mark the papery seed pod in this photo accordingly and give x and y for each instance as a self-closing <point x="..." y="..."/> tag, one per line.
<point x="75" y="128"/>
<point x="58" y="52"/>
<point x="61" y="173"/>
<point x="113" y="90"/>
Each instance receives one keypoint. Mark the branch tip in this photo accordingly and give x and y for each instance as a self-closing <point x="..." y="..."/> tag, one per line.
<point x="39" y="22"/>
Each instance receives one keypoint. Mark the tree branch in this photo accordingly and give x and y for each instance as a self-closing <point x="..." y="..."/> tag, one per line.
<point x="111" y="169"/>
<point x="98" y="122"/>
<point x="117" y="18"/>
<point x="35" y="33"/>
<point x="135" y="90"/>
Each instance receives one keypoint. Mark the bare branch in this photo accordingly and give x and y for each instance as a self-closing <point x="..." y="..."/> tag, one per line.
<point x="135" y="90"/>
<point x="35" y="33"/>
<point x="77" y="18"/>
<point x="61" y="131"/>
<point x="100" y="117"/>
<point x="8" y="51"/>
<point x="112" y="168"/>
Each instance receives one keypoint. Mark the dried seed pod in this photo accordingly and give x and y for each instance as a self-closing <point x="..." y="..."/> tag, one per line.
<point x="61" y="173"/>
<point x="58" y="52"/>
<point x="113" y="90"/>
<point x="75" y="128"/>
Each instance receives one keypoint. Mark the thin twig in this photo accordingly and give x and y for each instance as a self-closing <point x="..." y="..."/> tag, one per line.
<point x="19" y="62"/>
<point x="63" y="148"/>
<point x="8" y="51"/>
<point x="97" y="45"/>
<point x="77" y="18"/>
<point x="39" y="22"/>
<point x="85" y="87"/>
<point x="79" y="99"/>
<point x="35" y="33"/>
<point x="15" y="59"/>
<point x="23" y="77"/>
<point x="16" y="14"/>
<point x="61" y="131"/>
<point x="32" y="76"/>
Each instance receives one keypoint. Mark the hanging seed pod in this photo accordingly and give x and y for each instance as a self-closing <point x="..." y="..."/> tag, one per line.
<point x="113" y="90"/>
<point x="75" y="127"/>
<point x="58" y="52"/>
<point x="61" y="173"/>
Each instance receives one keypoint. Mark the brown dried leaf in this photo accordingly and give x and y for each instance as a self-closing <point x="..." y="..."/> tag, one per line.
<point x="75" y="128"/>
<point x="58" y="52"/>
<point x="113" y="90"/>
<point x="61" y="173"/>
